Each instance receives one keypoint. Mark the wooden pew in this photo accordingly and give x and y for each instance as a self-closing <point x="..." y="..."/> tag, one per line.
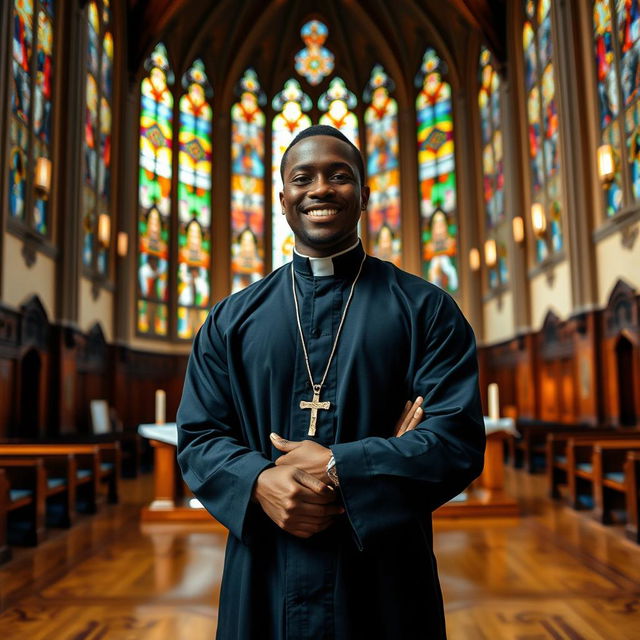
<point x="96" y="464"/>
<point x="632" y="478"/>
<point x="556" y="453"/>
<point x="609" y="486"/>
<point x="5" y="551"/>
<point x="27" y="498"/>
<point x="580" y="471"/>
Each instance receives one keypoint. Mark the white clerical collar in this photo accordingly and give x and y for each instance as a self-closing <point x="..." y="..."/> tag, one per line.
<point x="324" y="266"/>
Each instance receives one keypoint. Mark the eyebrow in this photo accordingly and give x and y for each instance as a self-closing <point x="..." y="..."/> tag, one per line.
<point x="331" y="167"/>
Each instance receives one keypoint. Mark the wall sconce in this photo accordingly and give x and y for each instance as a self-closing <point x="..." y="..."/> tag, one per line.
<point x="518" y="229"/>
<point x="490" y="253"/>
<point x="474" y="259"/>
<point x="123" y="244"/>
<point x="606" y="164"/>
<point x="104" y="230"/>
<point x="42" y="178"/>
<point x="538" y="219"/>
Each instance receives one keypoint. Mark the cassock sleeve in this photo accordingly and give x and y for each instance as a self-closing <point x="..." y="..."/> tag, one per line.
<point x="216" y="465"/>
<point x="388" y="483"/>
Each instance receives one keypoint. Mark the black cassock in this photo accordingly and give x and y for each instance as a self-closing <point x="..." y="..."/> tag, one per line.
<point x="373" y="573"/>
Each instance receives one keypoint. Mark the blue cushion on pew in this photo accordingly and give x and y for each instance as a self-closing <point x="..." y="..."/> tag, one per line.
<point x="586" y="501"/>
<point x="18" y="494"/>
<point x="584" y="466"/>
<point x="106" y="466"/>
<point x="561" y="459"/>
<point x="84" y="473"/>
<point x="616" y="476"/>
<point x="54" y="483"/>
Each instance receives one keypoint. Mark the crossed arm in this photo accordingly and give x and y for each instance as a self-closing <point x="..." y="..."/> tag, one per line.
<point x="297" y="494"/>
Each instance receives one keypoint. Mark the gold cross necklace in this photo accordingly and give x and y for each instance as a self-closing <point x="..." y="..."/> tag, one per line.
<point x="315" y="405"/>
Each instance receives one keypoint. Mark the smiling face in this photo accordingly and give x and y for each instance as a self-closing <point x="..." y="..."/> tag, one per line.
<point x="322" y="197"/>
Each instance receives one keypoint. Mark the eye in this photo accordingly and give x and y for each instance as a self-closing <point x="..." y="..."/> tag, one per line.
<point x="341" y="176"/>
<point x="300" y="179"/>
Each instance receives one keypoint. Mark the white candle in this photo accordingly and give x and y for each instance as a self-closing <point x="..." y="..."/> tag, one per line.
<point x="161" y="404"/>
<point x="494" y="402"/>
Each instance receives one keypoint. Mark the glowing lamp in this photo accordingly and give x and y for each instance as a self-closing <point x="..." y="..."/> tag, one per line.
<point x="104" y="230"/>
<point x="606" y="163"/>
<point x="42" y="178"/>
<point x="474" y="259"/>
<point x="490" y="253"/>
<point x="538" y="219"/>
<point x="518" y="229"/>
<point x="123" y="244"/>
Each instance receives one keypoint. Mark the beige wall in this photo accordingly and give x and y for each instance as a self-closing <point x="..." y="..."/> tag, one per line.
<point x="614" y="261"/>
<point x="20" y="282"/>
<point x="91" y="311"/>
<point x="498" y="319"/>
<point x="555" y="297"/>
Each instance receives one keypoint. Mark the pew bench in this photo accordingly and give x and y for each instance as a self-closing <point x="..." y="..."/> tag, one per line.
<point x="5" y="551"/>
<point x="529" y="450"/>
<point x="26" y="500"/>
<point x="632" y="478"/>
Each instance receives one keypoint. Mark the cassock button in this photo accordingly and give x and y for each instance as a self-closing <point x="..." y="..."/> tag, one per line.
<point x="315" y="333"/>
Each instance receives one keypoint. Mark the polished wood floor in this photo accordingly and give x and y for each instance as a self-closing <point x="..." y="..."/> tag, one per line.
<point x="552" y="574"/>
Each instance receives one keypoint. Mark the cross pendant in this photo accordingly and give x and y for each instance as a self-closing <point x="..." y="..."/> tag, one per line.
<point x="314" y="405"/>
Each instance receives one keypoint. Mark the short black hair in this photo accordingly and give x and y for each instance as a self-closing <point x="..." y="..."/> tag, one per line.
<point x="324" y="130"/>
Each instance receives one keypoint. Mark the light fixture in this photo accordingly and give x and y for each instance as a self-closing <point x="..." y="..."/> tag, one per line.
<point x="606" y="164"/>
<point x="104" y="230"/>
<point x="42" y="178"/>
<point x="474" y="259"/>
<point x="490" y="253"/>
<point x="123" y="243"/>
<point x="518" y="229"/>
<point x="538" y="219"/>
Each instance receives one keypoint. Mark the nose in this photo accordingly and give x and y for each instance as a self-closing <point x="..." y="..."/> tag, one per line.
<point x="321" y="186"/>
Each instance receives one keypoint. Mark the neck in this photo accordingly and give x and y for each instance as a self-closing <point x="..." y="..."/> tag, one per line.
<point x="305" y="252"/>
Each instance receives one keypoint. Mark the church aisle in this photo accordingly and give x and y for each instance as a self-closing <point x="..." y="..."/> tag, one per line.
<point x="553" y="575"/>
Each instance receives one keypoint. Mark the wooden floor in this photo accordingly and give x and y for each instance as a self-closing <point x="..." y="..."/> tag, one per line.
<point x="550" y="575"/>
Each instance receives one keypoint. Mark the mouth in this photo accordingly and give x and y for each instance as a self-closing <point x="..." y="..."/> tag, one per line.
<point x="319" y="213"/>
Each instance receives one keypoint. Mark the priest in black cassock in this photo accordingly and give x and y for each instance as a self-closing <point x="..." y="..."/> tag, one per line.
<point x="289" y="430"/>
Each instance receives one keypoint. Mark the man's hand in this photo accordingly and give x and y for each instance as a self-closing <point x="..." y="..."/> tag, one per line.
<point x="410" y="418"/>
<point x="303" y="454"/>
<point x="296" y="501"/>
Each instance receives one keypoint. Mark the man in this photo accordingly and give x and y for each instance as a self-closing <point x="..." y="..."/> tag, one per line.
<point x="330" y="529"/>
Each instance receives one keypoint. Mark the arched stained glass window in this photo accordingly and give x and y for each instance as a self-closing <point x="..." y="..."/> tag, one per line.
<point x="194" y="201"/>
<point x="495" y="224"/>
<point x="336" y="104"/>
<point x="31" y="106"/>
<point x="247" y="183"/>
<point x="381" y="127"/>
<point x="315" y="62"/>
<point x="97" y="133"/>
<point x="436" y="172"/>
<point x="154" y="194"/>
<point x="617" y="41"/>
<point x="544" y="129"/>
<point x="291" y="104"/>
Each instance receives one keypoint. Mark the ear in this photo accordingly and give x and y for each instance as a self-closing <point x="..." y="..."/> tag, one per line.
<point x="281" y="195"/>
<point x="364" y="195"/>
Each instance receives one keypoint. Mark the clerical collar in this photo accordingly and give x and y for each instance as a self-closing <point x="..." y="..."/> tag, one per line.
<point x="340" y="263"/>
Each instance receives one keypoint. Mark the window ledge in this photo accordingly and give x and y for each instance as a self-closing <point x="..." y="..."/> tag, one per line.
<point x="497" y="293"/>
<point x="548" y="265"/>
<point x="98" y="282"/>
<point x="34" y="243"/>
<point x="616" y="223"/>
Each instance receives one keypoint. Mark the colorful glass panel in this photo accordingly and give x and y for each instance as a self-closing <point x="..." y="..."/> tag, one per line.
<point x="336" y="104"/>
<point x="543" y="122"/>
<point x="154" y="194"/>
<point x="315" y="62"/>
<point x="436" y="171"/>
<point x="291" y="104"/>
<point x="247" y="184"/>
<point x="381" y="126"/>
<point x="194" y="201"/>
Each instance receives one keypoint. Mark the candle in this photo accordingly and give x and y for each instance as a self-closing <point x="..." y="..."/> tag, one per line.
<point x="494" y="402"/>
<point x="161" y="404"/>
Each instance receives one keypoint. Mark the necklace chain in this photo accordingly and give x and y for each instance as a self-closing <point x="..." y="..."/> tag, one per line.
<point x="318" y="387"/>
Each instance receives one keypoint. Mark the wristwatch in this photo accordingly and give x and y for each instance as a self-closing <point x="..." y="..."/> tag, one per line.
<point x="332" y="472"/>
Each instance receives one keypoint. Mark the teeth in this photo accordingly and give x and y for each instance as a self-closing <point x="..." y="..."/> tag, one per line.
<point x="322" y="213"/>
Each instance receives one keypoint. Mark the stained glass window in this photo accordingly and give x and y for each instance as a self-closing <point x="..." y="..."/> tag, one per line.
<point x="154" y="194"/>
<point x="543" y="125"/>
<point x="315" y="62"/>
<point x="97" y="132"/>
<point x="436" y="173"/>
<point x="194" y="201"/>
<point x="336" y="104"/>
<point x="247" y="183"/>
<point x="381" y="127"/>
<point x="291" y="104"/>
<point x="31" y="106"/>
<point x="616" y="28"/>
<point x="495" y="225"/>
